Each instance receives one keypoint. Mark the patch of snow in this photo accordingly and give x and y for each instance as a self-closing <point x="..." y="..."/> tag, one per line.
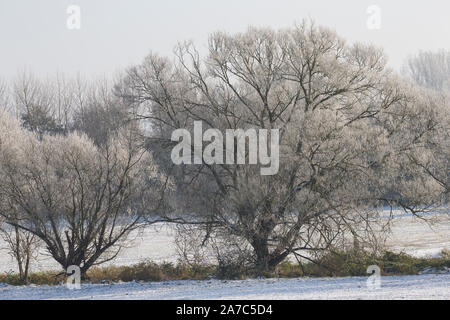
<point x="431" y="270"/>
<point x="396" y="287"/>
<point x="409" y="234"/>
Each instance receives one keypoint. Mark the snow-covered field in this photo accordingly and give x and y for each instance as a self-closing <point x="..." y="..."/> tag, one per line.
<point x="156" y="243"/>
<point x="152" y="243"/>
<point x="409" y="234"/>
<point x="420" y="238"/>
<point x="404" y="287"/>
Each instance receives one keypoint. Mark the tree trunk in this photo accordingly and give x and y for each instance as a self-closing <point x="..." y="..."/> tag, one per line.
<point x="267" y="262"/>
<point x="27" y="267"/>
<point x="263" y="265"/>
<point x="19" y="254"/>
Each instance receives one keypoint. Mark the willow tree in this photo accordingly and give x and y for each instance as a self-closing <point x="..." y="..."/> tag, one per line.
<point x="341" y="116"/>
<point x="79" y="199"/>
<point x="431" y="70"/>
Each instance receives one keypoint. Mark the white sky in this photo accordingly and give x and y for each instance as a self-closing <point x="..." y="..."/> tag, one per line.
<point x="115" y="34"/>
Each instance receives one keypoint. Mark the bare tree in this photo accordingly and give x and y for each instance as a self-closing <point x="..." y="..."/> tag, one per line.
<point x="64" y="101"/>
<point x="342" y="118"/>
<point x="100" y="112"/>
<point x="60" y="105"/>
<point x="34" y="102"/>
<point x="4" y="96"/>
<point x="430" y="69"/>
<point x="79" y="199"/>
<point x="22" y="246"/>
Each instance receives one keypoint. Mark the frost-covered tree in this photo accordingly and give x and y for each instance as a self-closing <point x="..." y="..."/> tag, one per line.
<point x="430" y="69"/>
<point x="4" y="96"/>
<point x="59" y="105"/>
<point x="33" y="101"/>
<point x="100" y="113"/>
<point x="344" y="125"/>
<point x="22" y="246"/>
<point x="79" y="199"/>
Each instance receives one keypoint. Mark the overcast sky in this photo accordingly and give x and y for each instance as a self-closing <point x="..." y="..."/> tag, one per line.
<point x="116" y="33"/>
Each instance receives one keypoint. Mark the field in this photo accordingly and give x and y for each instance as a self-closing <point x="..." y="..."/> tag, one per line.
<point x="396" y="287"/>
<point x="409" y="235"/>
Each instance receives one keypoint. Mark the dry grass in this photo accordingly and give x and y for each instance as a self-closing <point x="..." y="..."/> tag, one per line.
<point x="336" y="264"/>
<point x="355" y="263"/>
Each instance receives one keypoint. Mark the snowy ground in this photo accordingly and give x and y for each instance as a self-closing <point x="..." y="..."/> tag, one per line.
<point x="410" y="235"/>
<point x="398" y="287"/>
<point x="420" y="238"/>
<point x="156" y="243"/>
<point x="152" y="243"/>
